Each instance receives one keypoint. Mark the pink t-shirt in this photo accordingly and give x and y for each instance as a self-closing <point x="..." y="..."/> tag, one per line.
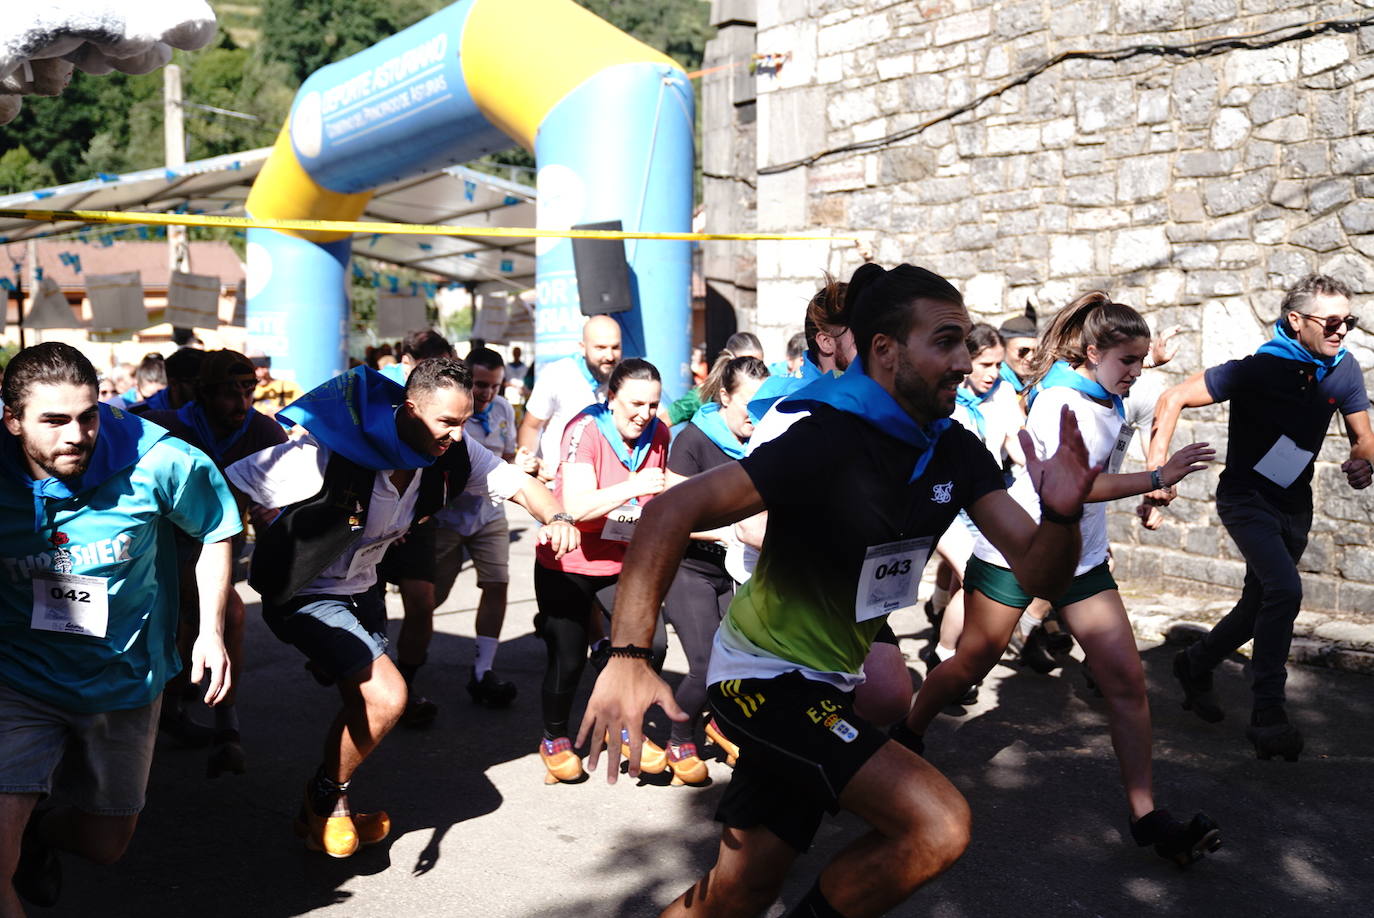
<point x="584" y="443"/>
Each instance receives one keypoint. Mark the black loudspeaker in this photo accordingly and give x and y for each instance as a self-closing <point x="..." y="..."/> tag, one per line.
<point x="603" y="275"/>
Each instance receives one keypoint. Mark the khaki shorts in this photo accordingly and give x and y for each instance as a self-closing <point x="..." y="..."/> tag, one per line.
<point x="489" y="548"/>
<point x="99" y="762"/>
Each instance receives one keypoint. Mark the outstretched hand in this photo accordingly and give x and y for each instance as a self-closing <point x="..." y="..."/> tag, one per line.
<point x="625" y="689"/>
<point x="1065" y="478"/>
<point x="1192" y="458"/>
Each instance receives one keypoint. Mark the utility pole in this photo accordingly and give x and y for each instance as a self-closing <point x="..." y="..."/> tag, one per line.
<point x="174" y="154"/>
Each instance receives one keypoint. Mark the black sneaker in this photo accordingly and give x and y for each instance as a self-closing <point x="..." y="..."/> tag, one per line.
<point x="38" y="875"/>
<point x="1272" y="735"/>
<point x="1036" y="654"/>
<point x="1198" y="696"/>
<point x="491" y="691"/>
<point x="1182" y="843"/>
<point x="420" y="713"/>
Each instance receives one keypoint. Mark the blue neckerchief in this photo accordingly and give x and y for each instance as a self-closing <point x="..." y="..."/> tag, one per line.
<point x="121" y="442"/>
<point x="709" y="421"/>
<point x="483" y="417"/>
<point x="1009" y="375"/>
<point x="605" y="421"/>
<point x="974" y="403"/>
<point x="808" y="371"/>
<point x="394" y="372"/>
<point x="1284" y="345"/>
<point x="354" y="414"/>
<point x="856" y="393"/>
<point x="1061" y="374"/>
<point x="587" y="374"/>
<point x="158" y="401"/>
<point x="773" y="389"/>
<point x="193" y="416"/>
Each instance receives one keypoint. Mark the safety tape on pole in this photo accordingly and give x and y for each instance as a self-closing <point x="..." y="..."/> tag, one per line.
<point x="345" y="227"/>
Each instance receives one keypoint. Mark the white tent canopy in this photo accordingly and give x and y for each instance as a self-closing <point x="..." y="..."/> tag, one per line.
<point x="456" y="196"/>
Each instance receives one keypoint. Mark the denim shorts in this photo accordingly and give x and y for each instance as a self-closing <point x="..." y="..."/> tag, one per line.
<point x="339" y="634"/>
<point x="98" y="762"/>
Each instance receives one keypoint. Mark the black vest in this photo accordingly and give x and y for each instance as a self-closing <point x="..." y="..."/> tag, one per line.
<point x="310" y="535"/>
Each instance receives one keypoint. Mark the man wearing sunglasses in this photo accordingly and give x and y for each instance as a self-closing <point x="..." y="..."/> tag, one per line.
<point x="1282" y="398"/>
<point x="1020" y="338"/>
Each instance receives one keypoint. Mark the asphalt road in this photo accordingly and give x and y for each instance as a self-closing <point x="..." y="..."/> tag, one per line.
<point x="478" y="833"/>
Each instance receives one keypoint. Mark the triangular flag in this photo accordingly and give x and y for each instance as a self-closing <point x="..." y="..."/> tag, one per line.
<point x="50" y="308"/>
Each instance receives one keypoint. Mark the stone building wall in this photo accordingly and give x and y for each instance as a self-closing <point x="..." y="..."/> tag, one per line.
<point x="1195" y="188"/>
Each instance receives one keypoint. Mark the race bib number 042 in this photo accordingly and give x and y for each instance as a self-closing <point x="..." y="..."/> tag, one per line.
<point x="890" y="576"/>
<point x="70" y="604"/>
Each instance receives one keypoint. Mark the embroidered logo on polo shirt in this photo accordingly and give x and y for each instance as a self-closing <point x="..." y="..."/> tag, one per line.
<point x="942" y="493"/>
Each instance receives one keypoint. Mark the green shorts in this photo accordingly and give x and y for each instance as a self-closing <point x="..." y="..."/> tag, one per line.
<point x="999" y="584"/>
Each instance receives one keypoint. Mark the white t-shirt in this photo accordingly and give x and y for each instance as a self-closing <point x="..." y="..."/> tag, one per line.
<point x="740" y="558"/>
<point x="472" y="509"/>
<point x="515" y="381"/>
<point x="560" y="393"/>
<point x="1001" y="419"/>
<point x="1101" y="428"/>
<point x="294" y="471"/>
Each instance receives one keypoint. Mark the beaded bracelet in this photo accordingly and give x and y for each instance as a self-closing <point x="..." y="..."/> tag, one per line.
<point x="633" y="652"/>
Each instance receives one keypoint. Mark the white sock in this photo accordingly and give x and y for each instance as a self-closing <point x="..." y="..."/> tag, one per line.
<point x="940" y="598"/>
<point x="1026" y="624"/>
<point x="486" y="654"/>
<point x="943" y="653"/>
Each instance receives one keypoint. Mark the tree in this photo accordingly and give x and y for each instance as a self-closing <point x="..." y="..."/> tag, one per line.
<point x="19" y="171"/>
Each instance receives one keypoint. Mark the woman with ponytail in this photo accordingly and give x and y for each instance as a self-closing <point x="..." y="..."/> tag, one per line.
<point x="1088" y="360"/>
<point x="740" y="344"/>
<point x="702" y="589"/>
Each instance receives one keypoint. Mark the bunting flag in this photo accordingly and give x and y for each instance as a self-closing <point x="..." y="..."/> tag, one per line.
<point x="50" y="308"/>
<point x="117" y="302"/>
<point x="193" y="300"/>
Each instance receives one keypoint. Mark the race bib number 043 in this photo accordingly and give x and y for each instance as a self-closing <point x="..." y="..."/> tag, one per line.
<point x="890" y="576"/>
<point x="70" y="604"/>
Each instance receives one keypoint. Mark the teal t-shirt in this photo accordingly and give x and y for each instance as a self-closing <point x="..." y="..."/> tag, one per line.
<point x="120" y="531"/>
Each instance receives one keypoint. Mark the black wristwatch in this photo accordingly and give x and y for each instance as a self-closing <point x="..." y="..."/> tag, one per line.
<point x="562" y="517"/>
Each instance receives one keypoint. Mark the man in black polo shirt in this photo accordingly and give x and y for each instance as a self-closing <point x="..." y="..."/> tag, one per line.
<point x="1282" y="399"/>
<point x="880" y="466"/>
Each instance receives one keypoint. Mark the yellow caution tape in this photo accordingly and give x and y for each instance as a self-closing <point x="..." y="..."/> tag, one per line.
<point x="409" y="229"/>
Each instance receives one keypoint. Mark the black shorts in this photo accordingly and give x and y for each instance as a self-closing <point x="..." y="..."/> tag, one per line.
<point x="800" y="744"/>
<point x="411" y="558"/>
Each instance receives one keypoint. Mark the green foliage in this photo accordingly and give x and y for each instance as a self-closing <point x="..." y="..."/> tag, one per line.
<point x="679" y="28"/>
<point x="113" y="123"/>
<point x="19" y="171"/>
<point x="308" y="34"/>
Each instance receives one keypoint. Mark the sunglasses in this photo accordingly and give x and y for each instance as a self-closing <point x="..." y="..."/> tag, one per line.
<point x="1332" y="324"/>
<point x="1022" y="352"/>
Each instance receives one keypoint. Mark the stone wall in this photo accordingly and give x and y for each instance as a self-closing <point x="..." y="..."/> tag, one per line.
<point x="1193" y="188"/>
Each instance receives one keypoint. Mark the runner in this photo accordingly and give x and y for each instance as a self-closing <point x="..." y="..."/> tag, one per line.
<point x="613" y="464"/>
<point x="426" y="563"/>
<point x="351" y="486"/>
<point x="885" y="693"/>
<point x="740" y="344"/>
<point x="702" y="589"/>
<point x="88" y="609"/>
<point x="221" y="423"/>
<point x="563" y="389"/>
<point x="989" y="409"/>
<point x="1089" y="358"/>
<point x="1282" y="399"/>
<point x="886" y="472"/>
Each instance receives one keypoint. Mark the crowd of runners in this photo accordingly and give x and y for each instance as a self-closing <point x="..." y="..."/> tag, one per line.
<point x="774" y="517"/>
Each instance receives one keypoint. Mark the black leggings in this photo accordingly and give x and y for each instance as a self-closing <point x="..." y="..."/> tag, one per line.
<point x="696" y="602"/>
<point x="567" y="602"/>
